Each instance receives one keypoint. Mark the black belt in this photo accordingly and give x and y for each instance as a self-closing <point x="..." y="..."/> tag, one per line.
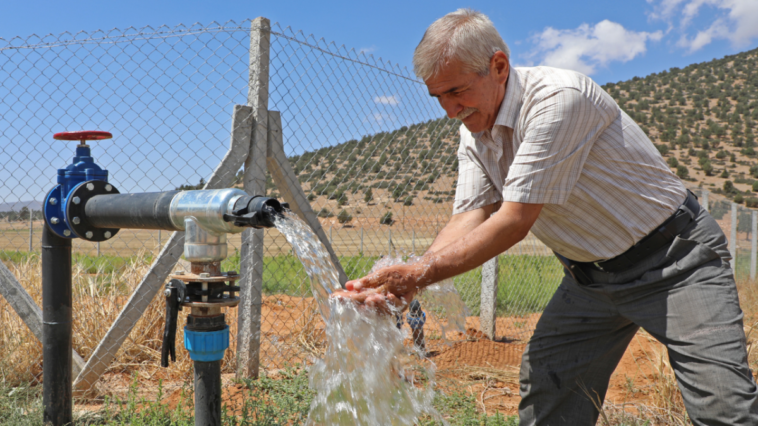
<point x="650" y="244"/>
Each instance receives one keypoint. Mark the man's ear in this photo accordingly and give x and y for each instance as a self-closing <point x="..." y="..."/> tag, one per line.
<point x="500" y="66"/>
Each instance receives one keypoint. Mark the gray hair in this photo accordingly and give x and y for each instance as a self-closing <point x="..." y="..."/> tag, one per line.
<point x="466" y="36"/>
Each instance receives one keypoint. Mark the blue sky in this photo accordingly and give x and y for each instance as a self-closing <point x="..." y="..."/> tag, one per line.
<point x="609" y="40"/>
<point x="49" y="90"/>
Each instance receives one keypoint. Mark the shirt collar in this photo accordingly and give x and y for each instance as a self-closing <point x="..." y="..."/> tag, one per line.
<point x="511" y="104"/>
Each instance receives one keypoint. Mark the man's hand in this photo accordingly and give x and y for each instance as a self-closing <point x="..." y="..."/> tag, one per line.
<point x="394" y="285"/>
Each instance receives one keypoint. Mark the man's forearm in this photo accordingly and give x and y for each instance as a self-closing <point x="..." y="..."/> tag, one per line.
<point x="460" y="225"/>
<point x="490" y="238"/>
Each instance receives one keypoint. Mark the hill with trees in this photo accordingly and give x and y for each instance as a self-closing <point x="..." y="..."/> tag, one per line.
<point x="701" y="118"/>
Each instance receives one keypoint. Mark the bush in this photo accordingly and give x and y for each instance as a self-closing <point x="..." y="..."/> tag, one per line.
<point x="409" y="201"/>
<point x="729" y="187"/>
<point x="386" y="219"/>
<point x="344" y="217"/>
<point x="751" y="202"/>
<point x="325" y="213"/>
<point x="738" y="199"/>
<point x="755" y="186"/>
<point x="673" y="162"/>
<point x="368" y="196"/>
<point x="682" y="172"/>
<point x="724" y="174"/>
<point x="707" y="168"/>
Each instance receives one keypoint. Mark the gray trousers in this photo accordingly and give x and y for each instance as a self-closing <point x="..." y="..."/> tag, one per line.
<point x="684" y="296"/>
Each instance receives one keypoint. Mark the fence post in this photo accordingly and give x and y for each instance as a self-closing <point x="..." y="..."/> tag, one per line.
<point x="389" y="245"/>
<point x="488" y="300"/>
<point x="754" y="244"/>
<point x="159" y="239"/>
<point x="413" y="242"/>
<point x="733" y="238"/>
<point x="331" y="241"/>
<point x="704" y="203"/>
<point x="31" y="229"/>
<point x="98" y="249"/>
<point x="254" y="183"/>
<point x="361" y="250"/>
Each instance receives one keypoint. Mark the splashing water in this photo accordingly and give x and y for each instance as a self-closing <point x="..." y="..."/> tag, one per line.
<point x="367" y="376"/>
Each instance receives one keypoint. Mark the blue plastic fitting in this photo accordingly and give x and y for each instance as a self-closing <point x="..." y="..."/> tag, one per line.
<point x="206" y="345"/>
<point x="82" y="169"/>
<point x="416" y="322"/>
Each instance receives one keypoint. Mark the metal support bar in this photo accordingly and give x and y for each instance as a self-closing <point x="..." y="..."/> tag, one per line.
<point x="251" y="251"/>
<point x="156" y="277"/>
<point x="488" y="300"/>
<point x="289" y="187"/>
<point x="56" y="328"/>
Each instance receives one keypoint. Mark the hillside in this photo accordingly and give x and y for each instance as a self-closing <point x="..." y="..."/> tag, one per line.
<point x="702" y="119"/>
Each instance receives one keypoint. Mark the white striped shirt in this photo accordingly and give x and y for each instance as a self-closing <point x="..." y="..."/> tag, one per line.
<point x="560" y="140"/>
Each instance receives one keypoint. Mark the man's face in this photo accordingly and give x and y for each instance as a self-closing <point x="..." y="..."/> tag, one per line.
<point x="469" y="97"/>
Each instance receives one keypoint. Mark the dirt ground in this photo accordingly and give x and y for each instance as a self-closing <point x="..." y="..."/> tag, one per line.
<point x="469" y="361"/>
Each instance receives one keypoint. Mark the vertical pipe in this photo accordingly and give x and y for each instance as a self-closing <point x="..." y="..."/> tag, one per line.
<point x="361" y="250"/>
<point x="159" y="239"/>
<point x="753" y="245"/>
<point x="331" y="241"/>
<point x="705" y="200"/>
<point x="98" y="249"/>
<point x="207" y="393"/>
<point x="56" y="328"/>
<point x="733" y="238"/>
<point x="31" y="229"/>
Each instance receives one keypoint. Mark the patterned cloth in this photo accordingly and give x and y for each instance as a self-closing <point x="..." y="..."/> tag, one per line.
<point x="560" y="140"/>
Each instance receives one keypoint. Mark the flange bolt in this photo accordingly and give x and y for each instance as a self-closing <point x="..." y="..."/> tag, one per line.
<point x="76" y="220"/>
<point x="53" y="201"/>
<point x="89" y="235"/>
<point x="107" y="234"/>
<point x="76" y="200"/>
<point x="54" y="220"/>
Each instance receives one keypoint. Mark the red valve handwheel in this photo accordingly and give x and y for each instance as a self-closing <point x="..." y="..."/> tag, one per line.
<point x="83" y="135"/>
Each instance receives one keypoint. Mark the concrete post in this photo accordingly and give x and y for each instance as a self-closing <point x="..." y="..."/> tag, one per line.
<point x="254" y="183"/>
<point x="488" y="300"/>
<point x="704" y="201"/>
<point x="754" y="244"/>
<point x="733" y="237"/>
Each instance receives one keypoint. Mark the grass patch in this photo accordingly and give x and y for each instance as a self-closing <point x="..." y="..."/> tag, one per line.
<point x="285" y="400"/>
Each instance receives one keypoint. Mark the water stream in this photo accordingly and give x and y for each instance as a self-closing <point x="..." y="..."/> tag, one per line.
<point x="367" y="376"/>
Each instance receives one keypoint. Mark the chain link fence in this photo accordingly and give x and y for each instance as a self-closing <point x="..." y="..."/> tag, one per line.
<point x="372" y="152"/>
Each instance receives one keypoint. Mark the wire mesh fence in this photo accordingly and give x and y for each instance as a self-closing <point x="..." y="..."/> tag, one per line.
<point x="372" y="152"/>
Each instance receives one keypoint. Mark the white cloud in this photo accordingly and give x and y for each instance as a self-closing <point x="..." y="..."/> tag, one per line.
<point x="387" y="100"/>
<point x="732" y="20"/>
<point x="367" y="50"/>
<point x="588" y="47"/>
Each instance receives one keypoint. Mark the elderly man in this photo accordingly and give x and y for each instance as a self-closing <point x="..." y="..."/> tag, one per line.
<point x="548" y="151"/>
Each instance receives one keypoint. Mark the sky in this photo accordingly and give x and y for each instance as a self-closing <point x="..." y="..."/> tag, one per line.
<point x="60" y="88"/>
<point x="608" y="40"/>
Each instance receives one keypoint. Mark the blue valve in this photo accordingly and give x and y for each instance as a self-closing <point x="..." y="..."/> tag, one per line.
<point x="81" y="170"/>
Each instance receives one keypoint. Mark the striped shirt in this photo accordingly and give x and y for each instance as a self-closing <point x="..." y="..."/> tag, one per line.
<point x="560" y="140"/>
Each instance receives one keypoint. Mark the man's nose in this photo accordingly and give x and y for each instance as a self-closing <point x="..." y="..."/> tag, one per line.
<point x="451" y="107"/>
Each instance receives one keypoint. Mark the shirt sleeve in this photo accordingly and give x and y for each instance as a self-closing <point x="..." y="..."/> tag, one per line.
<point x="558" y="133"/>
<point x="474" y="188"/>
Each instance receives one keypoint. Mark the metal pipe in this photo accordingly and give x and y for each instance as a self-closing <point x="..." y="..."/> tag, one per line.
<point x="207" y="393"/>
<point x="56" y="328"/>
<point x="150" y="210"/>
